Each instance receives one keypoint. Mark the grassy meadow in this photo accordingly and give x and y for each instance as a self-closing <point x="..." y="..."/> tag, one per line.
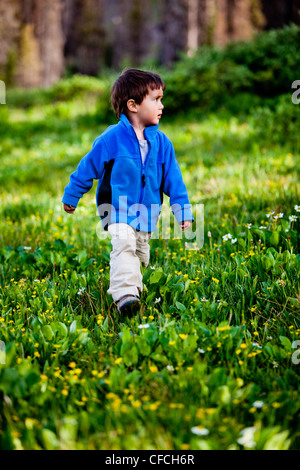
<point x="212" y="359"/>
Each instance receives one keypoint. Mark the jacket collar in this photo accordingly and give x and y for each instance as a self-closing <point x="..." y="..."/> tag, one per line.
<point x="149" y="132"/>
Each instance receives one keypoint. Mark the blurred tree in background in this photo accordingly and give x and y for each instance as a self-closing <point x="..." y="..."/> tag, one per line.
<point x="41" y="40"/>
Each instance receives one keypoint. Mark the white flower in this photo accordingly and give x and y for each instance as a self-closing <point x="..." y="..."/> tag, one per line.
<point x="145" y="325"/>
<point x="281" y="282"/>
<point x="171" y="368"/>
<point x="247" y="437"/>
<point x="280" y="215"/>
<point x="293" y="218"/>
<point x="36" y="280"/>
<point x="209" y="234"/>
<point x="201" y="351"/>
<point x="269" y="215"/>
<point x="262" y="227"/>
<point x="199" y="431"/>
<point x="297" y="208"/>
<point x="81" y="290"/>
<point x="204" y="299"/>
<point x="27" y="247"/>
<point x="258" y="404"/>
<point x="152" y="267"/>
<point x="227" y="237"/>
<point x="233" y="241"/>
<point x="157" y="300"/>
<point x="248" y="225"/>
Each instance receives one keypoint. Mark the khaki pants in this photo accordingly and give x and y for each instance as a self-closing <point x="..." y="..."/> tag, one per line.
<point x="129" y="248"/>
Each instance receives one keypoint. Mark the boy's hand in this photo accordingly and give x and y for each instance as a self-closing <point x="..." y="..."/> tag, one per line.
<point x="185" y="225"/>
<point x="69" y="209"/>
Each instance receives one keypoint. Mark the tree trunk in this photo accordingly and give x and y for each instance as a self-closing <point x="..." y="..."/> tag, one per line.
<point x="51" y="41"/>
<point x="174" y="29"/>
<point x="10" y="26"/>
<point x="236" y="20"/>
<point x="85" y="36"/>
<point x="118" y="34"/>
<point x="41" y="59"/>
<point x="193" y="26"/>
<point x="279" y="13"/>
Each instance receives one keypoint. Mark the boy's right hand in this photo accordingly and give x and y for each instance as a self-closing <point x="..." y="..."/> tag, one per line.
<point x="69" y="209"/>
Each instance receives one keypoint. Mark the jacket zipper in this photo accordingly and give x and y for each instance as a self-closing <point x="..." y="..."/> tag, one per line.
<point x="143" y="176"/>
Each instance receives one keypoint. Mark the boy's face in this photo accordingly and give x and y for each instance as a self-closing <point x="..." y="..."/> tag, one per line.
<point x="149" y="111"/>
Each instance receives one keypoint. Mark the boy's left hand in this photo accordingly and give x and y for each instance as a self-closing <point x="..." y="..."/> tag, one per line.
<point x="185" y="225"/>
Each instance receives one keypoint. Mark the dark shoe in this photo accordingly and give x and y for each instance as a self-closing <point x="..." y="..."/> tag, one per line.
<point x="128" y="304"/>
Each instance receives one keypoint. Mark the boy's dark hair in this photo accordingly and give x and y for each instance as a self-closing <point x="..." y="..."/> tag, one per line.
<point x="133" y="84"/>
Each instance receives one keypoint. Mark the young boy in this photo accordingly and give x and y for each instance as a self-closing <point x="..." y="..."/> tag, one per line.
<point x="135" y="165"/>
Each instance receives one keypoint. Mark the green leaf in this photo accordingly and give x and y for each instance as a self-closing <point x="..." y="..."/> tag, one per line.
<point x="180" y="306"/>
<point x="274" y="238"/>
<point x="156" y="275"/>
<point x="47" y="332"/>
<point x="241" y="272"/>
<point x="68" y="431"/>
<point x="239" y="259"/>
<point x="286" y="256"/>
<point x="73" y="327"/>
<point x="150" y="297"/>
<point x="221" y="395"/>
<point x="285" y="224"/>
<point x="225" y="275"/>
<point x="125" y="335"/>
<point x="266" y="262"/>
<point x="81" y="256"/>
<point x="179" y="287"/>
<point x="279" y="441"/>
<point x="272" y="252"/>
<point x="276" y="269"/>
<point x="133" y="377"/>
<point x="129" y="353"/>
<point x="49" y="439"/>
<point x="9" y="354"/>
<point x="144" y="347"/>
<point x="258" y="232"/>
<point x="59" y="328"/>
<point x="241" y="242"/>
<point x="105" y="324"/>
<point x="285" y="342"/>
<point x="268" y="348"/>
<point x="32" y="378"/>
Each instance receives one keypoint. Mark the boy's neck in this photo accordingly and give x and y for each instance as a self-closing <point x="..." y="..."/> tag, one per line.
<point x="137" y="126"/>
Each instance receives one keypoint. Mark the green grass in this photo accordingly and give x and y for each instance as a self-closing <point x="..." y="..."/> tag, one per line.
<point x="210" y="362"/>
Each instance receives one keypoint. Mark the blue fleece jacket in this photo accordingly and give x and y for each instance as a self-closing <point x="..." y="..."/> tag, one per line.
<point x="129" y="190"/>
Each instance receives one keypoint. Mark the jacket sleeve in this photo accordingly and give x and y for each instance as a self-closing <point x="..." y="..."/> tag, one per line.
<point x="175" y="188"/>
<point x="90" y="168"/>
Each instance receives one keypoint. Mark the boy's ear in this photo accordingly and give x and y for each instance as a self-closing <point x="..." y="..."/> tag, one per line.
<point x="131" y="106"/>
